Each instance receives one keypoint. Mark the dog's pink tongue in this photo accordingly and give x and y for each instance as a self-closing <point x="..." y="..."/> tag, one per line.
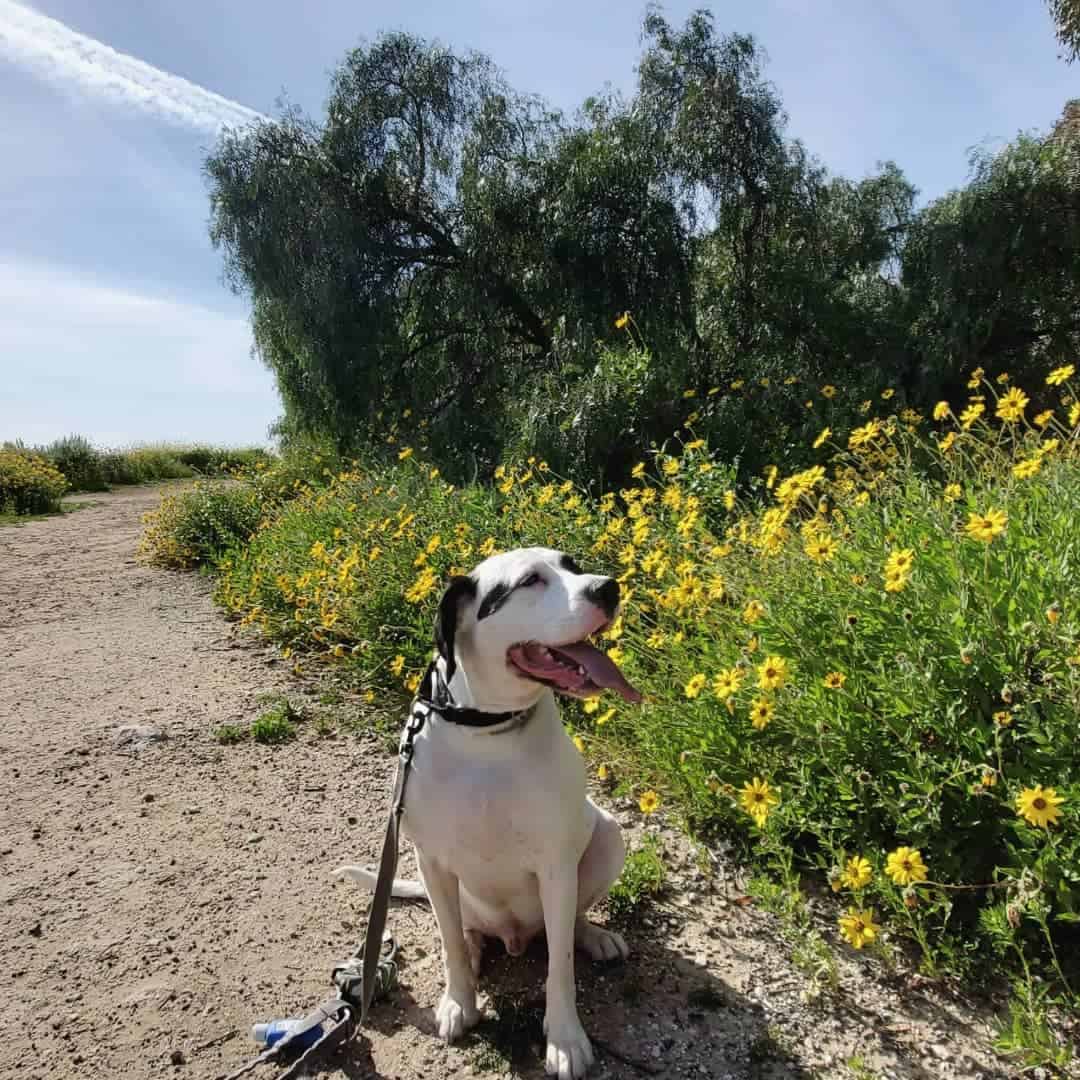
<point x="601" y="668"/>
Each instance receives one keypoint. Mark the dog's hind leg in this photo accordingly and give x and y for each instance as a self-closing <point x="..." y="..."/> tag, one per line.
<point x="457" y="1011"/>
<point x="474" y="942"/>
<point x="599" y="867"/>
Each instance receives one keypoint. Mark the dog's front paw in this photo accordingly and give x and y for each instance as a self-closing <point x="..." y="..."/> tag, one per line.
<point x="569" y="1052"/>
<point x="456" y="1013"/>
<point x="599" y="943"/>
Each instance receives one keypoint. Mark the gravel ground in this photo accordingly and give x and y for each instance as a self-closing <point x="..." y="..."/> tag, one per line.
<point x="161" y="893"/>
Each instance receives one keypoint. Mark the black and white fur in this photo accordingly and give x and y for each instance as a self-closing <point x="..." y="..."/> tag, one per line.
<point x="507" y="842"/>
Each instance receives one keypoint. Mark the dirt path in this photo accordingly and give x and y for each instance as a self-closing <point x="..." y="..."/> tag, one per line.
<point x="159" y="892"/>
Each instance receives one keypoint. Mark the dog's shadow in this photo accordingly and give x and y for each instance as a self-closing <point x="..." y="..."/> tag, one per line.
<point x="659" y="1013"/>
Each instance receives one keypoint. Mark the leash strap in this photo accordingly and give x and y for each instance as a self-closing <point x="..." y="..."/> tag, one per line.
<point x="384" y="884"/>
<point x="337" y="1009"/>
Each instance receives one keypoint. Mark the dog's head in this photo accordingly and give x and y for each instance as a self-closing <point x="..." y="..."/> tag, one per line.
<point x="521" y="621"/>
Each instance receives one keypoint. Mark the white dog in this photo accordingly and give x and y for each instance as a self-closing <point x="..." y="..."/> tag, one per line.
<point x="506" y="840"/>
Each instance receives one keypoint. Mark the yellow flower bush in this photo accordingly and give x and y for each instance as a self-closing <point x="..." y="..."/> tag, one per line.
<point x="866" y="632"/>
<point x="29" y="484"/>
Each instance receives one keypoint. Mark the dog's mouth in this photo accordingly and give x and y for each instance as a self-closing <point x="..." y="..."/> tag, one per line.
<point x="579" y="670"/>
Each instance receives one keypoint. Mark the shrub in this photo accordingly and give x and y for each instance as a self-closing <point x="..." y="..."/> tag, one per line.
<point x="29" y="484"/>
<point x="143" y="465"/>
<point x="196" y="526"/>
<point x="79" y="462"/>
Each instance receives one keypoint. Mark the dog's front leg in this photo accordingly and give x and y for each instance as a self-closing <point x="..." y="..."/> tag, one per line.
<point x="569" y="1053"/>
<point x="457" y="1011"/>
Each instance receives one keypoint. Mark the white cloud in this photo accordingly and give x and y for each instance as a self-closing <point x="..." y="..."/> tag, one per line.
<point x="121" y="366"/>
<point x="61" y="55"/>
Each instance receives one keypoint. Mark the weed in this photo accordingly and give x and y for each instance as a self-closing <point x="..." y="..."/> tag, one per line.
<point x="230" y="734"/>
<point x="277" y="724"/>
<point x="512" y="1032"/>
<point x="642" y="878"/>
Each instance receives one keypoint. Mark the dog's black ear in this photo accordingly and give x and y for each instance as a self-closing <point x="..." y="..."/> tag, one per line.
<point x="461" y="588"/>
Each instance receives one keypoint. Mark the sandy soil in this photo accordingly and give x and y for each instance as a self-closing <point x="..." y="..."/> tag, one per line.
<point x="160" y="892"/>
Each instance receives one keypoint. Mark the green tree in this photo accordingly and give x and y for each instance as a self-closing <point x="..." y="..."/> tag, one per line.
<point x="1066" y="16"/>
<point x="992" y="270"/>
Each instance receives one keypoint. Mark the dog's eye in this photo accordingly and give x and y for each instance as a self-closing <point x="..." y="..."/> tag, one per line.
<point x="532" y="579"/>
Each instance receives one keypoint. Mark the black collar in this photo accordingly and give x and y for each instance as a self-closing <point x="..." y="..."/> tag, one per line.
<point x="435" y="694"/>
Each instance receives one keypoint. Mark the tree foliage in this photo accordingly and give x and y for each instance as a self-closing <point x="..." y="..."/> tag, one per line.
<point x="442" y="246"/>
<point x="1066" y="16"/>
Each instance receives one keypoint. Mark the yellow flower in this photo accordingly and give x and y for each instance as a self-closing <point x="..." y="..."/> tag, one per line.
<point x="941" y="410"/>
<point x="591" y="705"/>
<point x="694" y="686"/>
<point x="1003" y="718"/>
<point x="753" y="612"/>
<point x="689" y="393"/>
<point x="900" y="562"/>
<point x="579" y="742"/>
<point x="1024" y="470"/>
<point x="738" y="384"/>
<point x="864" y="435"/>
<point x="615" y="654"/>
<point x="886" y="394"/>
<point x="1043" y="418"/>
<point x="773" y="673"/>
<point x="761" y="712"/>
<point x="820" y="441"/>
<point x="828" y="391"/>
<point x="946" y="444"/>
<point x="952" y="492"/>
<point x="1053" y="613"/>
<point x="1074" y="414"/>
<point x="729" y="500"/>
<point x="821" y="548"/>
<point x="834" y="680"/>
<point x="1011" y="407"/>
<point x="412" y="682"/>
<point x="976" y="378"/>
<point x="670" y="466"/>
<point x="896" y="580"/>
<point x="638" y="471"/>
<point x="1060" y="375"/>
<point x="858" y="926"/>
<point x="622" y="320"/>
<point x="1039" y="806"/>
<point x="857" y="873"/>
<point x="986" y="526"/>
<point x="602" y="772"/>
<point x="988" y="778"/>
<point x="648" y="802"/>
<point x="604" y="717"/>
<point x="403" y="454"/>
<point x="727" y="683"/>
<point x="758" y="799"/>
<point x="905" y="866"/>
<point x="971" y="414"/>
<point x="397" y="665"/>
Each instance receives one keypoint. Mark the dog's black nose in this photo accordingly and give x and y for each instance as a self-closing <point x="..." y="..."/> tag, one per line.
<point x="605" y="596"/>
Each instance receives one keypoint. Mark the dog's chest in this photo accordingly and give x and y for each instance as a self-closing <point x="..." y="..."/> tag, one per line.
<point x="488" y="809"/>
<point x="483" y="809"/>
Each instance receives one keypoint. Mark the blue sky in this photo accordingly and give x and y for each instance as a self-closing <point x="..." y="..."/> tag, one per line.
<point x="114" y="321"/>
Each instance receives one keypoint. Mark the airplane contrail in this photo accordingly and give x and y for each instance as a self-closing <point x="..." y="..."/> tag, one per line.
<point x="55" y="52"/>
